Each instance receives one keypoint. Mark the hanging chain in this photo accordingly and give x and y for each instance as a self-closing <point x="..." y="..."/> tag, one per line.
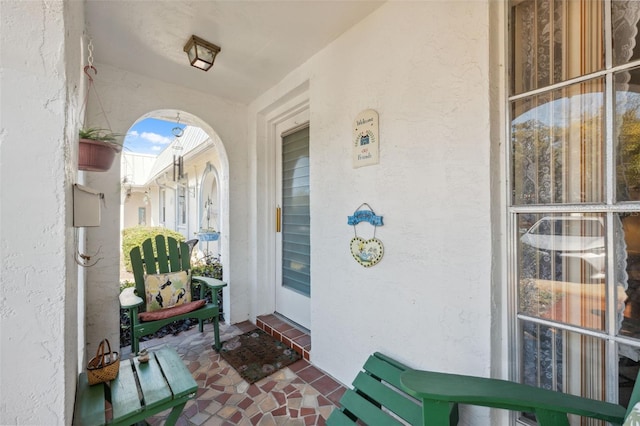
<point x="90" y="49"/>
<point x="88" y="70"/>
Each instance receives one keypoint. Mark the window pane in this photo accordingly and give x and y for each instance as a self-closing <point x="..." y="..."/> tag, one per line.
<point x="628" y="273"/>
<point x="557" y="147"/>
<point x="628" y="358"/>
<point x="553" y="41"/>
<point x="550" y="361"/>
<point x="627" y="131"/>
<point x="142" y="216"/>
<point x="182" y="206"/>
<point x="563" y="361"/>
<point x="625" y="15"/>
<point x="562" y="268"/>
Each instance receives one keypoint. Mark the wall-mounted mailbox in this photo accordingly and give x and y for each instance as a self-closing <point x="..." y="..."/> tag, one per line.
<point x="86" y="206"/>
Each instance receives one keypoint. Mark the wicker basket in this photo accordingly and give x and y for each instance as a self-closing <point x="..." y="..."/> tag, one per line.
<point x="104" y="366"/>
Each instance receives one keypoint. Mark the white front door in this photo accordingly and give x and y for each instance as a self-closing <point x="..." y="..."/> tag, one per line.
<point x="293" y="257"/>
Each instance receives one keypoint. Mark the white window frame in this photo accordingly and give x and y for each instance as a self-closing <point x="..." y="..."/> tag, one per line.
<point x="609" y="208"/>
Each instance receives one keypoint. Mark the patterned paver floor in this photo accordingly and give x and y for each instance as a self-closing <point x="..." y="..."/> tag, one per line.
<point x="299" y="394"/>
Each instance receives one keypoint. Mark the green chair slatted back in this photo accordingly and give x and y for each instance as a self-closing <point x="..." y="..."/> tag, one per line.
<point x="377" y="393"/>
<point x="170" y="256"/>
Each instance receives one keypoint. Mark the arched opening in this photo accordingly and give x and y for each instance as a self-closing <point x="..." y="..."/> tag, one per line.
<point x="183" y="188"/>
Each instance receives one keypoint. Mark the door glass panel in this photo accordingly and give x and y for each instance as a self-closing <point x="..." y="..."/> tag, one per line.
<point x="562" y="268"/>
<point x="554" y="41"/>
<point x="557" y="146"/>
<point x="296" y="246"/>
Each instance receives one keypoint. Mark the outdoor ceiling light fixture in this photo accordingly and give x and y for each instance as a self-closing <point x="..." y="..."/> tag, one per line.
<point x="201" y="53"/>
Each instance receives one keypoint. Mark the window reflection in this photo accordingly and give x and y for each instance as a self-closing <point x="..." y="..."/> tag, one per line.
<point x="627" y="132"/>
<point x="557" y="142"/>
<point x="629" y="274"/>
<point x="562" y="268"/>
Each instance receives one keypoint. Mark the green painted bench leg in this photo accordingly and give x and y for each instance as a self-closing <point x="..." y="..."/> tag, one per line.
<point x="133" y="321"/>
<point x="551" y="418"/>
<point x="173" y="416"/>
<point x="435" y="413"/>
<point x="216" y="334"/>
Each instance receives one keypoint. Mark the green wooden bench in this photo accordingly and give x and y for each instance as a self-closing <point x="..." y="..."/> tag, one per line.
<point x="377" y="397"/>
<point x="438" y="390"/>
<point x="171" y="256"/>
<point x="162" y="383"/>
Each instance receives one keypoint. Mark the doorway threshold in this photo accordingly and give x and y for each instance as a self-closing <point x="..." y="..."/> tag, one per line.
<point x="293" y="335"/>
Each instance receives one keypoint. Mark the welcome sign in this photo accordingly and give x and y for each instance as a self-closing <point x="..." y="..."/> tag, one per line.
<point x="365" y="139"/>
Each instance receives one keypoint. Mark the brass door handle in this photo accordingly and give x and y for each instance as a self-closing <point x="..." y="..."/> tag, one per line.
<point x="278" y="219"/>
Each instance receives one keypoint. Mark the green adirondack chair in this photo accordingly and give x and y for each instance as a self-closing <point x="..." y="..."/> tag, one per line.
<point x="387" y="391"/>
<point x="170" y="269"/>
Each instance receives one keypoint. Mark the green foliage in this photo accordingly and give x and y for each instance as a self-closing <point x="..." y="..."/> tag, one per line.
<point x="126" y="284"/>
<point x="208" y="270"/>
<point x="208" y="267"/>
<point x="628" y="172"/>
<point x="97" y="134"/>
<point x="132" y="237"/>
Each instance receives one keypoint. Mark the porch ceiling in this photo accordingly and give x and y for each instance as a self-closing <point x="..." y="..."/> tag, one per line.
<point x="262" y="41"/>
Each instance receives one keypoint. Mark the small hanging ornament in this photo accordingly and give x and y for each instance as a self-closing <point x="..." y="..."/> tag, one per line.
<point x="366" y="252"/>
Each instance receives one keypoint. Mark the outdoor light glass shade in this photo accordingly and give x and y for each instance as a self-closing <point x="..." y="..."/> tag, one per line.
<point x="201" y="53"/>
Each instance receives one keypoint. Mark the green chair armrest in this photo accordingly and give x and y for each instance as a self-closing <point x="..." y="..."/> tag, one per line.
<point x="129" y="300"/>
<point x="433" y="387"/>
<point x="212" y="283"/>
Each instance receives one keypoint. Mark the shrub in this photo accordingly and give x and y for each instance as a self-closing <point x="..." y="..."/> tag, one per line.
<point x="132" y="237"/>
<point x="209" y="266"/>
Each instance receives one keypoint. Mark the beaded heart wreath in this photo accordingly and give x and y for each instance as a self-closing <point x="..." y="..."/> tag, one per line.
<point x="366" y="252"/>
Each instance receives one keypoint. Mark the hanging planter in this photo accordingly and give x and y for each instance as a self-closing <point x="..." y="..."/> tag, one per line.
<point x="204" y="235"/>
<point x="97" y="149"/>
<point x="209" y="233"/>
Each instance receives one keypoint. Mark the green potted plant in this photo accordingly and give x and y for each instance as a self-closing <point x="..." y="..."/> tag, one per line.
<point x="97" y="149"/>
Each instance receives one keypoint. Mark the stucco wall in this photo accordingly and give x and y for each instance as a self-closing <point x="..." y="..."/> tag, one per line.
<point x="424" y="67"/>
<point x="40" y="58"/>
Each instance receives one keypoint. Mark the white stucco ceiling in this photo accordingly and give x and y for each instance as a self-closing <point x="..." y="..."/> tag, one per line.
<point x="261" y="41"/>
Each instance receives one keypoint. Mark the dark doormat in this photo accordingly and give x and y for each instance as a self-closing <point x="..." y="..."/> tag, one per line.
<point x="255" y="355"/>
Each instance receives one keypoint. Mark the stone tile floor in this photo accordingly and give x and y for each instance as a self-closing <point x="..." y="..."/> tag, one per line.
<point x="299" y="394"/>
